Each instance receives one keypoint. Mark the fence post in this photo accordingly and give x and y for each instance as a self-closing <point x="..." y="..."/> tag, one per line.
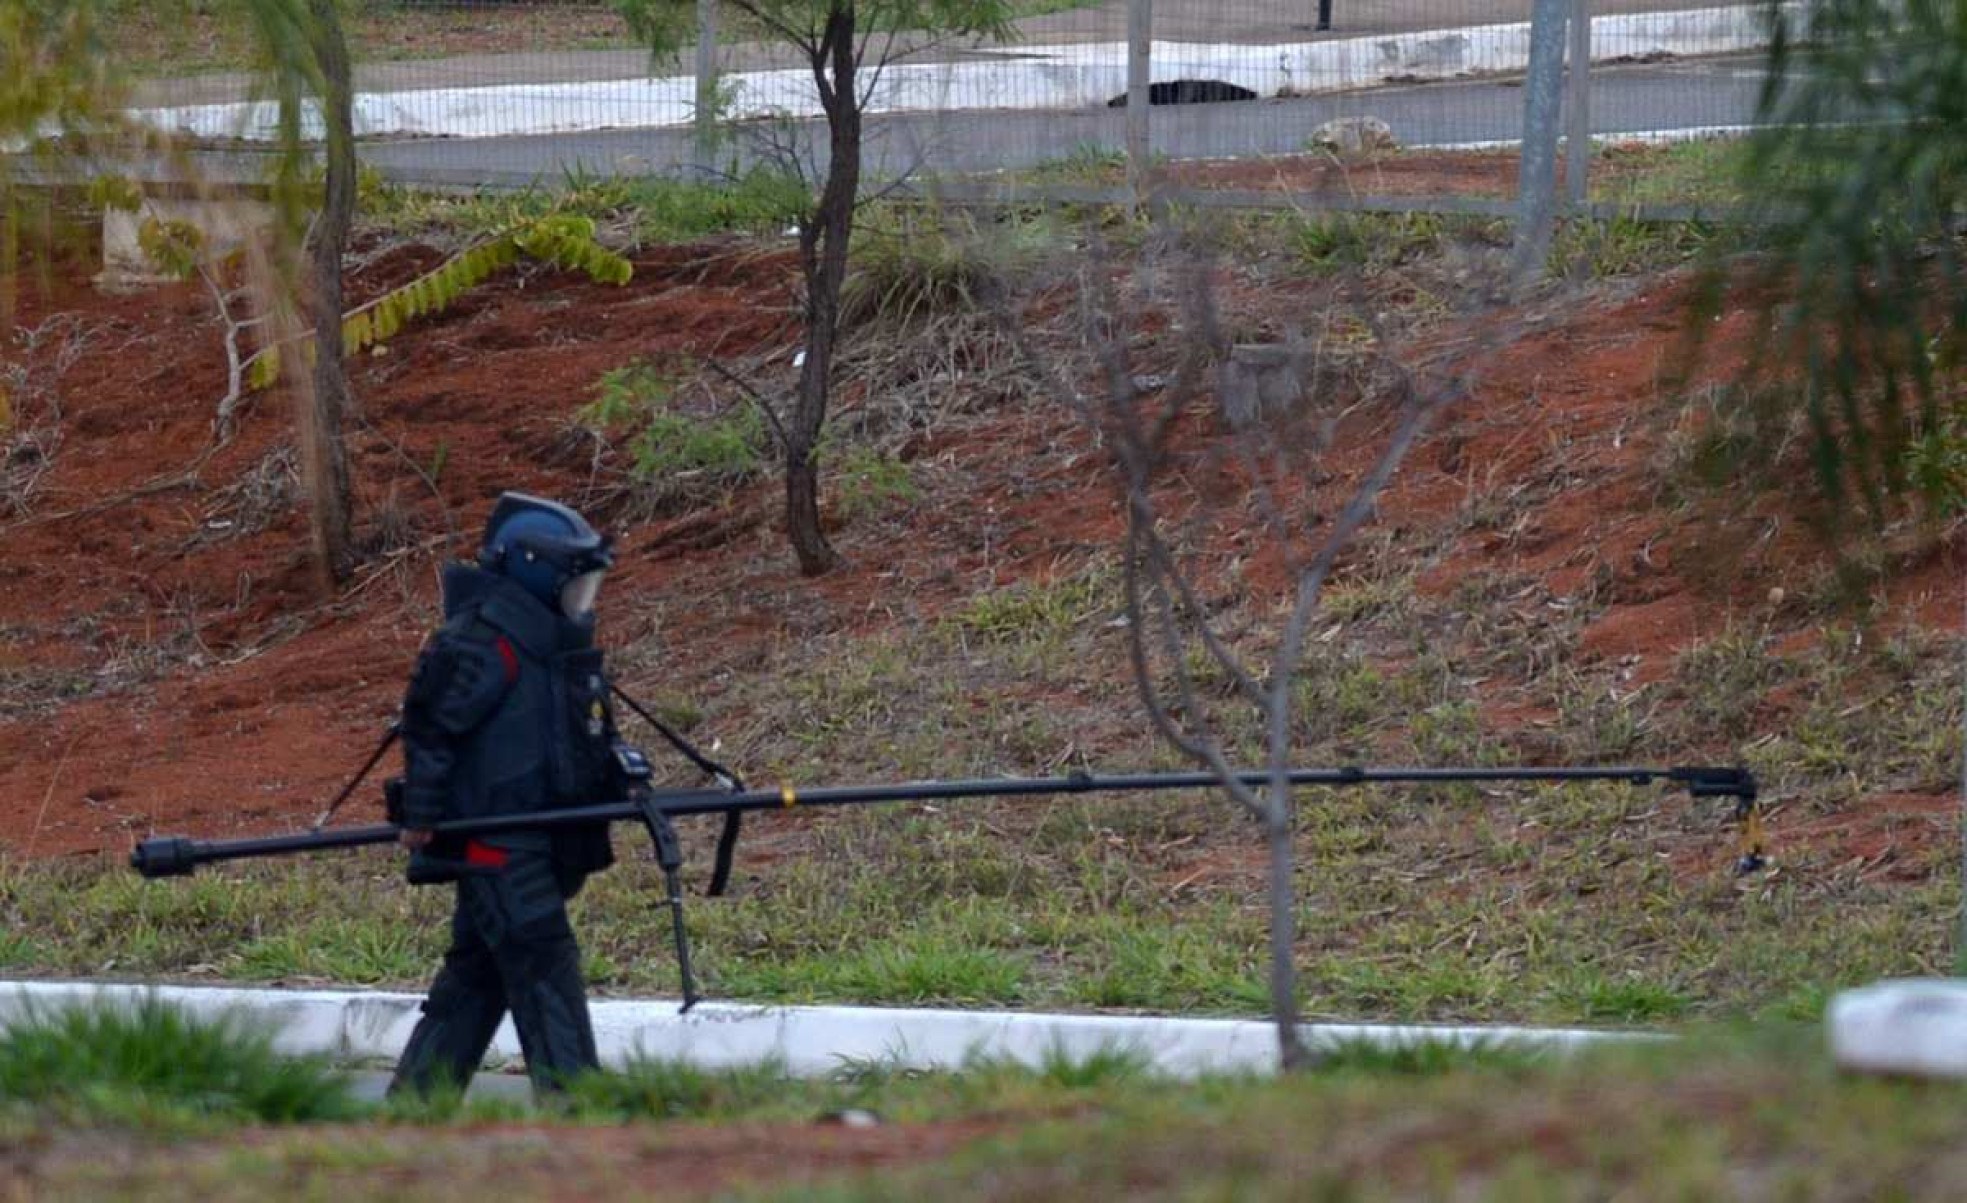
<point x="1140" y="69"/>
<point x="1543" y="96"/>
<point x="704" y="120"/>
<point x="1577" y="106"/>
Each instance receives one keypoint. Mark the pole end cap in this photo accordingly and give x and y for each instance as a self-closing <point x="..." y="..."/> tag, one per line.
<point x="166" y="856"/>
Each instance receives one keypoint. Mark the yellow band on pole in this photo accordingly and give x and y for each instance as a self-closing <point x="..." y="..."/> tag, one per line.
<point x="786" y="797"/>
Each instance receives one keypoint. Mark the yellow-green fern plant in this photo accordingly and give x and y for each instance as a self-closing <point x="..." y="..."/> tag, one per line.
<point x="561" y="239"/>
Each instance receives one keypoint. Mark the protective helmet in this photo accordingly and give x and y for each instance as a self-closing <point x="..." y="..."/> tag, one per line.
<point x="547" y="549"/>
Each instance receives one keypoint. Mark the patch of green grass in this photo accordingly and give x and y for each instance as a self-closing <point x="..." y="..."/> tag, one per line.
<point x="1693" y="1118"/>
<point x="1342" y="703"/>
<point x="1086" y="163"/>
<point x="151" y="1063"/>
<point x="18" y="950"/>
<point x="865" y="482"/>
<point x="1591" y="249"/>
<point x="1725" y="679"/>
<point x="1898" y="727"/>
<point x="1422" y="1058"/>
<point x="1030" y="611"/>
<point x="1599" y="998"/>
<point x="653" y="210"/>
<point x="1360" y="596"/>
<point x="341" y="949"/>
<point x="1697" y="171"/>
<point x="658" y="1088"/>
<point x="1605" y="904"/>
<point x="1332" y="242"/>
<point x="758" y="202"/>
<point x="1688" y="1121"/>
<point x="1146" y="964"/>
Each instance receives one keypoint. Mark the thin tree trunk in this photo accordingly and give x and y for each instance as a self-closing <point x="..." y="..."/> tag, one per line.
<point x="823" y="248"/>
<point x="324" y="458"/>
<point x="1291" y="1052"/>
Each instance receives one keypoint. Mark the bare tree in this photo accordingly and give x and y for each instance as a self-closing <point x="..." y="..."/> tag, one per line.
<point x="846" y="45"/>
<point x="67" y="80"/>
<point x="1174" y="632"/>
<point x="322" y="408"/>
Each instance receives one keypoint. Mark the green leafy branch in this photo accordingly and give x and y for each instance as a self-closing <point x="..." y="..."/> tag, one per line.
<point x="563" y="240"/>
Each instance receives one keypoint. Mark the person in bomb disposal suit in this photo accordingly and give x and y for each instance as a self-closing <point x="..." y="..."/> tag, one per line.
<point x="508" y="711"/>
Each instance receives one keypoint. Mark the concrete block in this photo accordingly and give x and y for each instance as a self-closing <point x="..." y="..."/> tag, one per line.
<point x="1913" y="1026"/>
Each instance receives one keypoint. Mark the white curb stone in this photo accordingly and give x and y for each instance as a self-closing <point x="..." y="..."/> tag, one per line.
<point x="809" y="1041"/>
<point x="1013" y="77"/>
<point x="1914" y="1026"/>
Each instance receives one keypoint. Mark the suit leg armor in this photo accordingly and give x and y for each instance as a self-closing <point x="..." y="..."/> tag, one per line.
<point x="461" y="1014"/>
<point x="512" y="948"/>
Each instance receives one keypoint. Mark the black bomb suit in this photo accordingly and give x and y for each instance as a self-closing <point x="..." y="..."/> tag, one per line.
<point x="507" y="710"/>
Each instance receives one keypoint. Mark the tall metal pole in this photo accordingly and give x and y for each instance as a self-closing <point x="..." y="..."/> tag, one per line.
<point x="1577" y="105"/>
<point x="1543" y="96"/>
<point x="1140" y="70"/>
<point x="705" y="118"/>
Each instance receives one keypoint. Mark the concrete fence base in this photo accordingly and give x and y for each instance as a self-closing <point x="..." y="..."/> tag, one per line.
<point x="808" y="1041"/>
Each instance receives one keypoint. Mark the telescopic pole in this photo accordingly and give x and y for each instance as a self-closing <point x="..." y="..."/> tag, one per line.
<point x="170" y="856"/>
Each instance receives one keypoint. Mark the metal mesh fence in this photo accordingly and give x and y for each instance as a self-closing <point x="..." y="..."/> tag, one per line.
<point x="502" y="93"/>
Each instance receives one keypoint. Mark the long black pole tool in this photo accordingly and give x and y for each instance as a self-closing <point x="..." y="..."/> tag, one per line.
<point x="172" y="856"/>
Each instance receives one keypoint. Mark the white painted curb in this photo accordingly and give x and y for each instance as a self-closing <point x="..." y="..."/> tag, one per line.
<point x="809" y="1041"/>
<point x="1012" y="77"/>
<point x="1915" y="1026"/>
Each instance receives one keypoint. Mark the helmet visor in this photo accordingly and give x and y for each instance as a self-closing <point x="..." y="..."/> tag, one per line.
<point x="577" y="595"/>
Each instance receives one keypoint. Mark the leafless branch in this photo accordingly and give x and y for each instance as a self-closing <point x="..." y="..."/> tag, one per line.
<point x="757" y="398"/>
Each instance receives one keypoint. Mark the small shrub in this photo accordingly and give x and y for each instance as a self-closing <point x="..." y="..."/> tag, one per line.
<point x="912" y="265"/>
<point x="1737" y="434"/>
<point x="867" y="482"/>
<point x="726" y="449"/>
<point x="674" y="456"/>
<point x="1336" y="241"/>
<point x="1936" y="464"/>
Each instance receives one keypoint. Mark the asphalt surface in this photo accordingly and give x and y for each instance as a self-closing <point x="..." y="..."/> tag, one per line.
<point x="1249" y="22"/>
<point x="1635" y="98"/>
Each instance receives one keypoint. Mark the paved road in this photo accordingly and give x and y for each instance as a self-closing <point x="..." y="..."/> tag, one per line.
<point x="1638" y="97"/>
<point x="1249" y="22"/>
